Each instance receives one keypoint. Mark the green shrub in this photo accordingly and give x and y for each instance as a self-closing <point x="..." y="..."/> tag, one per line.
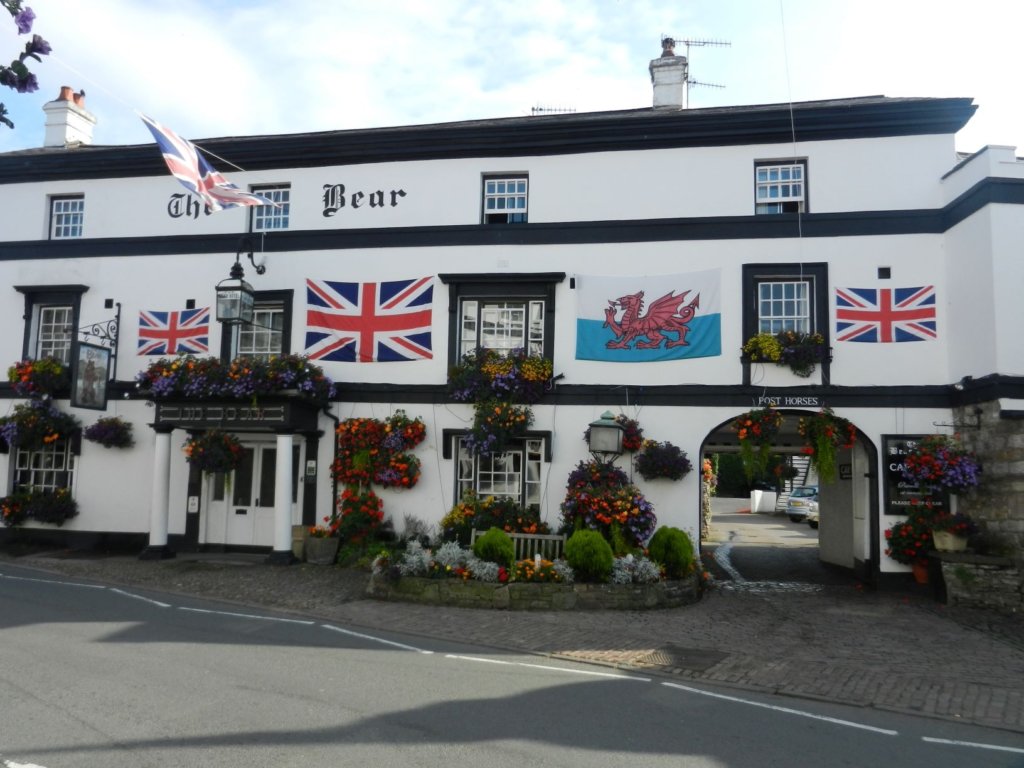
<point x="589" y="555"/>
<point x="495" y="546"/>
<point x="672" y="549"/>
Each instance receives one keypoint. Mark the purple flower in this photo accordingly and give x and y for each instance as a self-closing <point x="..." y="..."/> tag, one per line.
<point x="37" y="47"/>
<point x="24" y="21"/>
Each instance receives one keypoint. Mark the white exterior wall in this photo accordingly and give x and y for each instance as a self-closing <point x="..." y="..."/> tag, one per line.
<point x="975" y="267"/>
<point x="852" y="175"/>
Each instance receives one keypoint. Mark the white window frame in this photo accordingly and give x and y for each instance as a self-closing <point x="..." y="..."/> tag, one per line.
<point x="502" y="324"/>
<point x="53" y="331"/>
<point x="515" y="473"/>
<point x="67" y="216"/>
<point x="269" y="218"/>
<point x="506" y="199"/>
<point x="780" y="187"/>
<point x="264" y="338"/>
<point x="784" y="305"/>
<point x="44" y="468"/>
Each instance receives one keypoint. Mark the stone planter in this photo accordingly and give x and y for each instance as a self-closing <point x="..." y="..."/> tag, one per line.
<point x="531" y="596"/>
<point x="322" y="551"/>
<point x="949" y="542"/>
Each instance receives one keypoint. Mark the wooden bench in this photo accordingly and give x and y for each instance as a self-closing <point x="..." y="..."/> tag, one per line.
<point x="550" y="546"/>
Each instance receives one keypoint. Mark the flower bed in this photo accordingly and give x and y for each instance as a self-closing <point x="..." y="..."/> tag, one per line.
<point x="533" y="596"/>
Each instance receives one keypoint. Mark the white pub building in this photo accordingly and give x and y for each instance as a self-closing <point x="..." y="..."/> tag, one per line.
<point x="543" y="233"/>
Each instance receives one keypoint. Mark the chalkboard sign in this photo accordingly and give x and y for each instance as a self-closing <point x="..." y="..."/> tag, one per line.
<point x="900" y="494"/>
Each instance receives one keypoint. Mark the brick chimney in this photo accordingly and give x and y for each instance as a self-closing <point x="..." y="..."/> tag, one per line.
<point x="67" y="121"/>
<point x="668" y="74"/>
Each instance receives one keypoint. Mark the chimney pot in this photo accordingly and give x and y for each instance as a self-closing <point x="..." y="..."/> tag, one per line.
<point x="67" y="121"/>
<point x="668" y="74"/>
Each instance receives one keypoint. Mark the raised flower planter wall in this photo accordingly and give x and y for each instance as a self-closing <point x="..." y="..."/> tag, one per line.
<point x="540" y="597"/>
<point x="981" y="581"/>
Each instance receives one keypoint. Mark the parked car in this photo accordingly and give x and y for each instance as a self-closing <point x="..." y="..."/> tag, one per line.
<point x="812" y="518"/>
<point x="802" y="500"/>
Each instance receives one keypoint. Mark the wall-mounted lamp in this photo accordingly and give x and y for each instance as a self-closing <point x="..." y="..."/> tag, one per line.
<point x="235" y="297"/>
<point x="605" y="442"/>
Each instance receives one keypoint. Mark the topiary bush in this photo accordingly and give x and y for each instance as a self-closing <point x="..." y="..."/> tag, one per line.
<point x="672" y="549"/>
<point x="589" y="555"/>
<point x="495" y="546"/>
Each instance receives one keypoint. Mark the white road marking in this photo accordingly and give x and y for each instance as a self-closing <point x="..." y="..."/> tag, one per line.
<point x="785" y="710"/>
<point x="9" y="764"/>
<point x="976" y="745"/>
<point x="375" y="639"/>
<point x="722" y="558"/>
<point x="140" y="597"/>
<point x="549" y="668"/>
<point x="52" y="581"/>
<point x="246" y="616"/>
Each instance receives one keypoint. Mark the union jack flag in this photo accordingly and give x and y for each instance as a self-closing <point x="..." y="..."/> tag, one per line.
<point x="198" y="176"/>
<point x="884" y="315"/>
<point x="369" y="322"/>
<point x="168" y="333"/>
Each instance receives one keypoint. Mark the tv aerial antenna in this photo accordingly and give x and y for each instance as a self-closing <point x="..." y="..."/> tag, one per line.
<point x="669" y="43"/>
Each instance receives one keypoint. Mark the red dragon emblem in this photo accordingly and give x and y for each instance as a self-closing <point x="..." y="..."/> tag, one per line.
<point x="665" y="314"/>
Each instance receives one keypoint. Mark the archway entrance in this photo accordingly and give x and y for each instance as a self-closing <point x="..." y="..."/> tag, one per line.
<point x="750" y="524"/>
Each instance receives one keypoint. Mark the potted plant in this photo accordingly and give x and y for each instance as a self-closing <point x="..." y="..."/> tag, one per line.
<point x="756" y="430"/>
<point x="666" y="460"/>
<point x="322" y="542"/>
<point x="941" y="461"/>
<point x="110" y="432"/>
<point x="35" y="424"/>
<point x="38" y="378"/>
<point x="950" y="532"/>
<point x="908" y="542"/>
<point x="824" y="434"/>
<point x="800" y="352"/>
<point x="601" y="498"/>
<point x="214" y="451"/>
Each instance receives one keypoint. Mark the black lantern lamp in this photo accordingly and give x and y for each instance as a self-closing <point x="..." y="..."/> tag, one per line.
<point x="235" y="297"/>
<point x="605" y="441"/>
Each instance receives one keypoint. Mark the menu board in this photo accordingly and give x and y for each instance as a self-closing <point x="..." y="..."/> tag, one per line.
<point x="901" y="495"/>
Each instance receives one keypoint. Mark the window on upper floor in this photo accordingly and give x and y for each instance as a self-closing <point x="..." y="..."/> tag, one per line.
<point x="51" y="317"/>
<point x="45" y="469"/>
<point x="67" y="216"/>
<point x="502" y="312"/>
<point x="780" y="186"/>
<point x="267" y="218"/>
<point x="505" y="199"/>
<point x="270" y="332"/>
<point x="784" y="305"/>
<point x="515" y="473"/>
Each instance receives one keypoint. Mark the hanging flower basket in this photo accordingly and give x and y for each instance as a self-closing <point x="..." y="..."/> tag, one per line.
<point x="495" y="424"/>
<point x="111" y="432"/>
<point x="602" y="499"/>
<point x="36" y="424"/>
<point x="756" y="430"/>
<point x="360" y="514"/>
<point x="402" y="433"/>
<point x="38" y="378"/>
<point x="940" y="461"/>
<point x="214" y="451"/>
<point x="662" y="460"/>
<point x="824" y="434"/>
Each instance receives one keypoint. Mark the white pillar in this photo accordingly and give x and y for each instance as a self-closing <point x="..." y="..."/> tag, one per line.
<point x="159" y="502"/>
<point x="283" y="502"/>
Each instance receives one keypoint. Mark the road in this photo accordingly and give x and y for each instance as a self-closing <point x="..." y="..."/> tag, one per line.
<point x="96" y="676"/>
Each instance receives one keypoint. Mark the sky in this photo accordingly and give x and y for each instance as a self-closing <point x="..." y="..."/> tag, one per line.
<point x="210" y="68"/>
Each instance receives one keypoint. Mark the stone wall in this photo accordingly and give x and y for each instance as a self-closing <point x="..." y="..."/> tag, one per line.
<point x="979" y="581"/>
<point x="992" y="576"/>
<point x="541" y="597"/>
<point x="998" y="504"/>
